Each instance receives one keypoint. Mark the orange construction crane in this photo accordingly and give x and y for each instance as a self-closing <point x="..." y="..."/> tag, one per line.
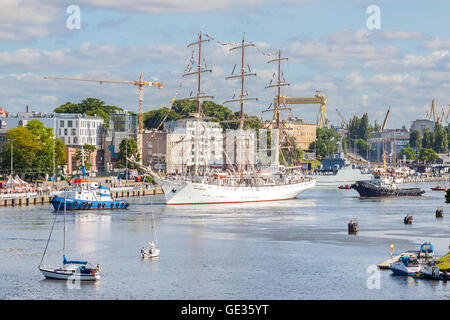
<point x="318" y="98"/>
<point x="140" y="83"/>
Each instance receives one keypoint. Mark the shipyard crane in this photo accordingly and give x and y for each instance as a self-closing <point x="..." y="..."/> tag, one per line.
<point x="432" y="112"/>
<point x="344" y="123"/>
<point x="385" y="119"/>
<point x="140" y="83"/>
<point x="318" y="98"/>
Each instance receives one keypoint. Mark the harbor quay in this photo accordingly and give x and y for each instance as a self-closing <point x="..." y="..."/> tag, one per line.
<point x="126" y="190"/>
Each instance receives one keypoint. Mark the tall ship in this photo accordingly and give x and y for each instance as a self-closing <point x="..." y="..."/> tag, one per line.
<point x="236" y="182"/>
<point x="337" y="170"/>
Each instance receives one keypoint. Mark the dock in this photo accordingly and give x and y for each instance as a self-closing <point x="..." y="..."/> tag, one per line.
<point x="385" y="264"/>
<point x="13" y="200"/>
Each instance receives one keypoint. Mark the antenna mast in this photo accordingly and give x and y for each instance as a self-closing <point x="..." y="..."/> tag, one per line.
<point x="243" y="96"/>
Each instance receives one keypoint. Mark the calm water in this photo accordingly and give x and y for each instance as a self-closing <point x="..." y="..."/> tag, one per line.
<point x="296" y="249"/>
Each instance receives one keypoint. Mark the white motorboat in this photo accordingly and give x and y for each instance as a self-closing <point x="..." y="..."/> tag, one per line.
<point x="405" y="266"/>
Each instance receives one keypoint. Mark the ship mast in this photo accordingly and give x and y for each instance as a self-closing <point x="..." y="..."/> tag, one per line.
<point x="244" y="95"/>
<point x="199" y="72"/>
<point x="278" y="85"/>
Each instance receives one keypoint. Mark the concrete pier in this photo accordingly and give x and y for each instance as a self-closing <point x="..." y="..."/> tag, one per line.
<point x="45" y="199"/>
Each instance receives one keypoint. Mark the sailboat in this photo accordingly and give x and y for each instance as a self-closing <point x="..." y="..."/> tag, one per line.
<point x="71" y="269"/>
<point x="153" y="250"/>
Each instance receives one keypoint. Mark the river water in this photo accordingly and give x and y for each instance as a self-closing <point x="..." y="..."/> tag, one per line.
<point x="296" y="249"/>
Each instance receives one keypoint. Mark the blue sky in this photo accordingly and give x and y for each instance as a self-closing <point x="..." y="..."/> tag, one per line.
<point x="405" y="64"/>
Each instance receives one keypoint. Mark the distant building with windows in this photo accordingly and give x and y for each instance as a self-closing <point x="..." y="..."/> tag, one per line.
<point x="422" y="124"/>
<point x="390" y="140"/>
<point x="77" y="130"/>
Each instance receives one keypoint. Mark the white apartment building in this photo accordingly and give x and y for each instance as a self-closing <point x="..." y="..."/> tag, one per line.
<point x="190" y="142"/>
<point x="240" y="148"/>
<point x="77" y="130"/>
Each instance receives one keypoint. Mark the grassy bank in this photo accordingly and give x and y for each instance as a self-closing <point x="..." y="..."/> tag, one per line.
<point x="444" y="262"/>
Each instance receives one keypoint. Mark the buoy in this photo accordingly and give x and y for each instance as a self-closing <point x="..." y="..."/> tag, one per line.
<point x="408" y="219"/>
<point x="439" y="212"/>
<point x="353" y="227"/>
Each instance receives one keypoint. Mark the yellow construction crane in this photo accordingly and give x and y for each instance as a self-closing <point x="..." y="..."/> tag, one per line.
<point x="385" y="119"/>
<point x="344" y="123"/>
<point x="140" y="83"/>
<point x="318" y="98"/>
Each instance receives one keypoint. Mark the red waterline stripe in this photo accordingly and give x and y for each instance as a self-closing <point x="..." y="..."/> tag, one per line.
<point x="188" y="203"/>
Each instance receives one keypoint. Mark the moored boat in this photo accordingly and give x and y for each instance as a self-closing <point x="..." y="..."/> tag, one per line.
<point x="383" y="188"/>
<point x="439" y="188"/>
<point x="406" y="266"/>
<point x="70" y="269"/>
<point x="87" y="195"/>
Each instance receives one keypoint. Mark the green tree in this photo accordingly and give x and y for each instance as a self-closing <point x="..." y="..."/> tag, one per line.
<point x="33" y="150"/>
<point x="428" y="139"/>
<point x="427" y="155"/>
<point x="440" y="139"/>
<point x="90" y="107"/>
<point x="415" y="139"/>
<point x="408" y="153"/>
<point x="127" y="147"/>
<point x="326" y="142"/>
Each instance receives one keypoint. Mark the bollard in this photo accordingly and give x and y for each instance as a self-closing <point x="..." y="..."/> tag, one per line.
<point x="408" y="219"/>
<point x="439" y="212"/>
<point x="353" y="227"/>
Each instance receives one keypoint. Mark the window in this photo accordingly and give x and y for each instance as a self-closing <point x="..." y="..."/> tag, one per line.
<point x="65" y="132"/>
<point x="69" y="123"/>
<point x="73" y="132"/>
<point x="75" y="140"/>
<point x="61" y="123"/>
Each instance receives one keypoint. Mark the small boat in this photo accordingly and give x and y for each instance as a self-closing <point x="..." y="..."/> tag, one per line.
<point x="153" y="249"/>
<point x="345" y="187"/>
<point x="431" y="272"/>
<point x="406" y="266"/>
<point x="426" y="250"/>
<point x="70" y="269"/>
<point x="87" y="195"/>
<point x="439" y="188"/>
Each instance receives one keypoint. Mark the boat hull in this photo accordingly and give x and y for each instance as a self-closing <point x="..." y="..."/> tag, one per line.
<point x="76" y="204"/>
<point x="189" y="193"/>
<point x="370" y="190"/>
<point x="67" y="274"/>
<point x="399" y="269"/>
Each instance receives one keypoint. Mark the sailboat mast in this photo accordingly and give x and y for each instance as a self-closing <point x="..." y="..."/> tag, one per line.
<point x="199" y="71"/>
<point x="64" y="240"/>
<point x="279" y="84"/>
<point x="243" y="97"/>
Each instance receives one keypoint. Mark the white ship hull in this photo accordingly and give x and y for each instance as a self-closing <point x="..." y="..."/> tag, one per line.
<point x="182" y="192"/>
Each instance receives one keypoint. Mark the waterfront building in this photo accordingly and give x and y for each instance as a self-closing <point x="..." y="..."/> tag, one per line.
<point x="185" y="151"/>
<point x="390" y="140"/>
<point x="154" y="149"/>
<point x="422" y="124"/>
<point x="122" y="125"/>
<point x="304" y="133"/>
<point x="240" y="149"/>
